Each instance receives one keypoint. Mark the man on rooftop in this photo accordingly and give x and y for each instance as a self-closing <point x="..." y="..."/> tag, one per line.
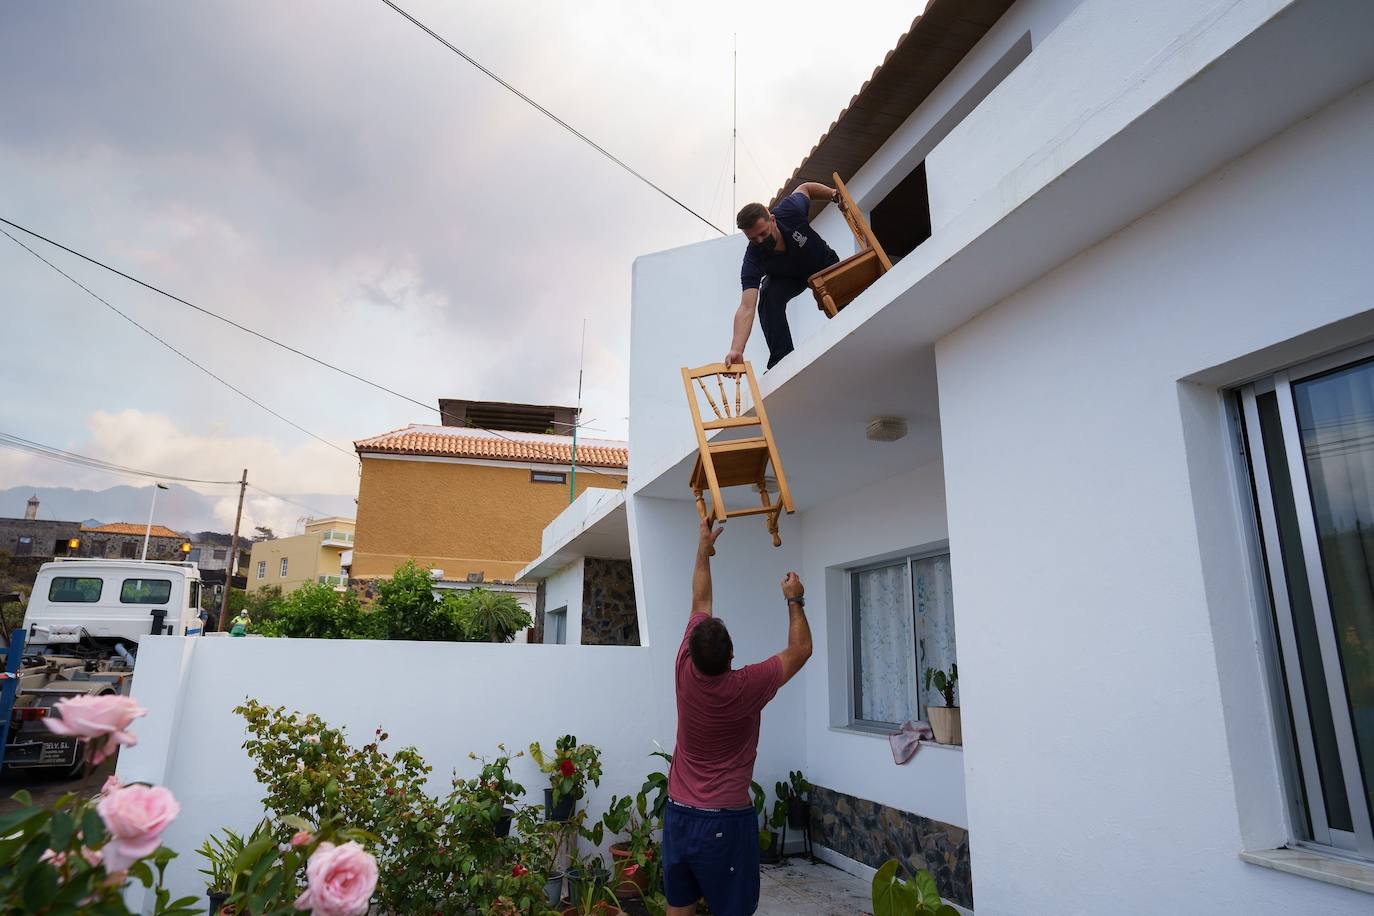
<point x="710" y="831"/>
<point x="783" y="252"/>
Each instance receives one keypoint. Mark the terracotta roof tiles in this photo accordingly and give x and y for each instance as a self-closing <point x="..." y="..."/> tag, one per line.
<point x="159" y="531"/>
<point x="459" y="442"/>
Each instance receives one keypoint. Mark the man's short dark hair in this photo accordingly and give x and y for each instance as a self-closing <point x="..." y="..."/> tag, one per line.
<point x="750" y="215"/>
<point x="710" y="647"/>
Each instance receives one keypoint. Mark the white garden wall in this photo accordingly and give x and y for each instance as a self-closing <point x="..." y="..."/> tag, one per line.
<point x="447" y="699"/>
<point x="1119" y="754"/>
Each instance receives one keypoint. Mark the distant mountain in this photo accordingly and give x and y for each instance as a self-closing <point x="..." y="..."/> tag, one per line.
<point x="179" y="508"/>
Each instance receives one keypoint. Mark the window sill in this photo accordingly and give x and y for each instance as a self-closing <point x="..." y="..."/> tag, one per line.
<point x="873" y="733"/>
<point x="1310" y="863"/>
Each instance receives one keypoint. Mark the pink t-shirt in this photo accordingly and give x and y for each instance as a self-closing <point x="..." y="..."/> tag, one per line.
<point x="718" y="729"/>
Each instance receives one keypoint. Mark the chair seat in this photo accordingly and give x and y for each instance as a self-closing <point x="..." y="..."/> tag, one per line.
<point x="843" y="281"/>
<point x="740" y="462"/>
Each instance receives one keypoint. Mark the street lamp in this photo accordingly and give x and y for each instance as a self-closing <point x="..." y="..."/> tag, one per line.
<point x="148" y="532"/>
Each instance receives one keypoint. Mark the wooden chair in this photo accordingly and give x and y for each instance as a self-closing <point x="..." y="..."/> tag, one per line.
<point x="840" y="284"/>
<point x="725" y="462"/>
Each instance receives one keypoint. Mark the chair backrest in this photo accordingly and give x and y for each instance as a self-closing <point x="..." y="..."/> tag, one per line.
<point x="724" y="391"/>
<point x="858" y="225"/>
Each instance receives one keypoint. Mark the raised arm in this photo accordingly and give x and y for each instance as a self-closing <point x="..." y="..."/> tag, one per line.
<point x="798" y="630"/>
<point x="744" y="323"/>
<point x="701" y="576"/>
<point x="817" y="191"/>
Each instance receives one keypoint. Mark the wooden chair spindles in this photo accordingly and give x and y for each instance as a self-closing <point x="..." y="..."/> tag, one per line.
<point x="723" y="462"/>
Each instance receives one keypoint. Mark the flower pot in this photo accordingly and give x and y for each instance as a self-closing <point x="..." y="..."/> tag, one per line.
<point x="553" y="890"/>
<point x="627" y="886"/>
<point x="772" y="854"/>
<point x="601" y="909"/>
<point x="798" y="813"/>
<point x="944" y="721"/>
<point x="560" y="813"/>
<point x="502" y="826"/>
<point x="217" y="899"/>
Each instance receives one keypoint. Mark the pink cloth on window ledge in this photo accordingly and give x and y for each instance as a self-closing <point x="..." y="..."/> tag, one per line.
<point x="906" y="740"/>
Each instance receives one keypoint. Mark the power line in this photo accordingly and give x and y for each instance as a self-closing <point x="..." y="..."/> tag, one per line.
<point x="240" y="392"/>
<point x="18" y="443"/>
<point x="254" y="333"/>
<point x="549" y="114"/>
<point x="318" y="512"/>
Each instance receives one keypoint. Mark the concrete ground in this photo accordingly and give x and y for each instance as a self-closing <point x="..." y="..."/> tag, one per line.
<point x="801" y="887"/>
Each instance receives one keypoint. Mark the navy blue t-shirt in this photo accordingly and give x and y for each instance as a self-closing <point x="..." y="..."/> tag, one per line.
<point x="804" y="251"/>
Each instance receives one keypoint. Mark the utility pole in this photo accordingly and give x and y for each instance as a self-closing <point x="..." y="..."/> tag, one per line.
<point x="233" y="557"/>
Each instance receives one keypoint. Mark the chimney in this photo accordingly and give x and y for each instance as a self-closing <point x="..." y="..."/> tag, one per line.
<point x="31" y="511"/>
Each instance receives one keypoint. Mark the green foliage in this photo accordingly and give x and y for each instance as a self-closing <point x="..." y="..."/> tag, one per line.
<point x="797" y="786"/>
<point x="67" y="881"/>
<point x="488" y="616"/>
<point x="315" y="611"/>
<point x="407" y="609"/>
<point x="433" y="854"/>
<point x="585" y="760"/>
<point x="943" y="682"/>
<point x="265" y="877"/>
<point x="221" y="852"/>
<point x="918" y="897"/>
<point x="591" y="886"/>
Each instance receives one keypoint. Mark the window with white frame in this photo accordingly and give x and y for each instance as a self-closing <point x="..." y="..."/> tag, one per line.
<point x="262" y="569"/>
<point x="901" y="623"/>
<point x="283" y="567"/>
<point x="1309" y="437"/>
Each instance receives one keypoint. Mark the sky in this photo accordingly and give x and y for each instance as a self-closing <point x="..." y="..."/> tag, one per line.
<point x="328" y="174"/>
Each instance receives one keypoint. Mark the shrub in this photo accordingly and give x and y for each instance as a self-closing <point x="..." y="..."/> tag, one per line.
<point x="489" y="616"/>
<point x="407" y="609"/>
<point x="316" y="611"/>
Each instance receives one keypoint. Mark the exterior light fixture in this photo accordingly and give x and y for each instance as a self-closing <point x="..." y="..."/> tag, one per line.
<point x="74" y="543"/>
<point x="185" y="547"/>
<point x="886" y="429"/>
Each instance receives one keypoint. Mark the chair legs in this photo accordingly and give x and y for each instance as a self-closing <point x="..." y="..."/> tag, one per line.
<point x="772" y="516"/>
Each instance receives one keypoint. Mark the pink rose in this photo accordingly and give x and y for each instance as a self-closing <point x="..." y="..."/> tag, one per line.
<point x="94" y="717"/>
<point x="135" y="816"/>
<point x="301" y="838"/>
<point x="339" y="881"/>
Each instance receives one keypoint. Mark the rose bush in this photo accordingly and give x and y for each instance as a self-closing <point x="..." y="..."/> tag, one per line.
<point x="340" y="880"/>
<point x="135" y="816"/>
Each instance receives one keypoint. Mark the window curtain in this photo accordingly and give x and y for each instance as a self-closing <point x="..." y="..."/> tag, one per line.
<point x="934" y="623"/>
<point x="884" y="637"/>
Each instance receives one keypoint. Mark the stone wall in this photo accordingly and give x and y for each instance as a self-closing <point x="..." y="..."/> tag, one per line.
<point x="871" y="833"/>
<point x="609" y="617"/>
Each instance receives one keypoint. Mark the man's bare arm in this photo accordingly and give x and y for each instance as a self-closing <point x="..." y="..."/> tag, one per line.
<point x="744" y="323"/>
<point x="798" y="630"/>
<point x="817" y="191"/>
<point x="701" y="576"/>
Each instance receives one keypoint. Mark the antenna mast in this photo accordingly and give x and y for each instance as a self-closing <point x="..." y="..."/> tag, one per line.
<point x="577" y="417"/>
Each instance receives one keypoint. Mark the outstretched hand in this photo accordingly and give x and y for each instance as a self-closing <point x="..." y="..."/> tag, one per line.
<point x="709" y="533"/>
<point x="792" y="586"/>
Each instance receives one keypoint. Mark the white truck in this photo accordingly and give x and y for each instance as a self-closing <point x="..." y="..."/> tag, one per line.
<point x="82" y="627"/>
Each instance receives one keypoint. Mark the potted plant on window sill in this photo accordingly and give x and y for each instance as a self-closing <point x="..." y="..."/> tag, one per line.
<point x="944" y="720"/>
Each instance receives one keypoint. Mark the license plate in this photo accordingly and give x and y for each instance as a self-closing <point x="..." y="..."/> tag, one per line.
<point x="41" y="754"/>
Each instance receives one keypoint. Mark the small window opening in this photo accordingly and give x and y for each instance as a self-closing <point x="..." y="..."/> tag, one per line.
<point x="901" y="220"/>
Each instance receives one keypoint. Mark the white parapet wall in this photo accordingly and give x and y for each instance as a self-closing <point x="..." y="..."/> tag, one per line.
<point x="446" y="699"/>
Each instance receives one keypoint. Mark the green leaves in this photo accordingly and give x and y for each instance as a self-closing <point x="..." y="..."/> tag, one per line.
<point x="894" y="897"/>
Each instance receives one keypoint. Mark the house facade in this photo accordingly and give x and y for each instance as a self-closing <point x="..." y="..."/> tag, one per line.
<point x="471" y="503"/>
<point x="124" y="540"/>
<point x="1128" y="333"/>
<point x="315" y="555"/>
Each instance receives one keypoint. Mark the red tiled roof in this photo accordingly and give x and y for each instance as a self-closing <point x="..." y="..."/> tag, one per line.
<point x="458" y="442"/>
<point x="133" y="528"/>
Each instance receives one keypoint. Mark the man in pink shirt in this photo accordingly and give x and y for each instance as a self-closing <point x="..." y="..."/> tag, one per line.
<point x="710" y="830"/>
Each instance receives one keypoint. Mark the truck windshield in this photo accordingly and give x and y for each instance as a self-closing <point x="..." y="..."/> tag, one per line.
<point x="145" y="591"/>
<point x="82" y="589"/>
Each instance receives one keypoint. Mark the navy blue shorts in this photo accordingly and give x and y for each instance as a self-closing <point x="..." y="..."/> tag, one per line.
<point x="711" y="854"/>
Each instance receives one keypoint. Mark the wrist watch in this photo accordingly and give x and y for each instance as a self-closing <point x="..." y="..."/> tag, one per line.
<point x="799" y="601"/>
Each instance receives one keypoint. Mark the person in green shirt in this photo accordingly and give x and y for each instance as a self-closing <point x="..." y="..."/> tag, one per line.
<point x="239" y="625"/>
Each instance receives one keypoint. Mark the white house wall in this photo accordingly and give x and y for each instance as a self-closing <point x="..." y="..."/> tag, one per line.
<point x="564" y="589"/>
<point x="895" y="517"/>
<point x="446" y="699"/>
<point x="1119" y="753"/>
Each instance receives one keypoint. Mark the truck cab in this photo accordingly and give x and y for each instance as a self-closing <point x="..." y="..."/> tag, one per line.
<point x="112" y="602"/>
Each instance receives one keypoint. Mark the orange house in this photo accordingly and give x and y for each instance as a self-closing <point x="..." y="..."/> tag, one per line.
<point x="470" y="502"/>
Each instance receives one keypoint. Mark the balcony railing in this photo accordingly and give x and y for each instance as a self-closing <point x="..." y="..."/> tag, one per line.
<point x="336" y="582"/>
<point x="333" y="538"/>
